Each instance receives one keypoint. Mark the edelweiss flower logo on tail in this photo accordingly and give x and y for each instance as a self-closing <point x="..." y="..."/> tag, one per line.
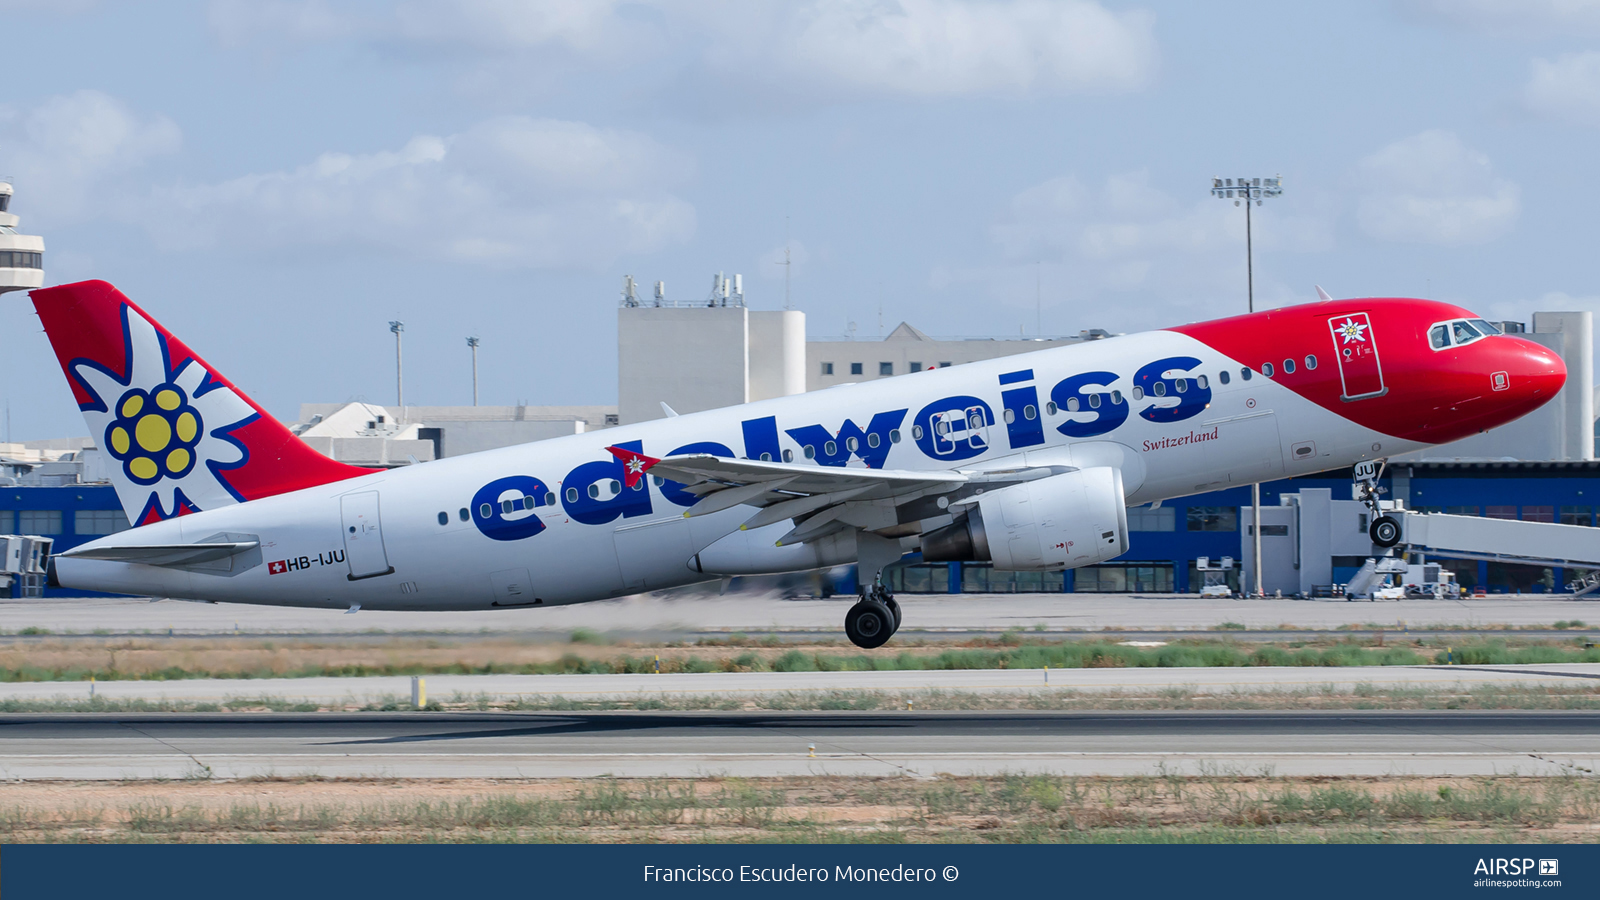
<point x="168" y="429"/>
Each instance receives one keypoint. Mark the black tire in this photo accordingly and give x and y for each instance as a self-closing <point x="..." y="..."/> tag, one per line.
<point x="869" y="624"/>
<point x="894" y="610"/>
<point x="1384" y="531"/>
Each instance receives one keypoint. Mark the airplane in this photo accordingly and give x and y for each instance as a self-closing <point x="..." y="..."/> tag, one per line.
<point x="1028" y="462"/>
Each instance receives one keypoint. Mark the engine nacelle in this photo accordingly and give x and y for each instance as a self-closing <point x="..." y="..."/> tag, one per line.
<point x="1061" y="522"/>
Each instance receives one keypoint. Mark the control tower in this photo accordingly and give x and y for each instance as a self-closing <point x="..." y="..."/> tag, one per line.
<point x="21" y="255"/>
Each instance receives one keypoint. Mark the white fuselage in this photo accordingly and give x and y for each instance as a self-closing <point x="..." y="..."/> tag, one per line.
<point x="596" y="544"/>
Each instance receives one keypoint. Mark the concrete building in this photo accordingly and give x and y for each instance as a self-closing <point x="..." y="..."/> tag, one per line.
<point x="366" y="434"/>
<point x="908" y="349"/>
<point x="21" y="255"/>
<point x="705" y="355"/>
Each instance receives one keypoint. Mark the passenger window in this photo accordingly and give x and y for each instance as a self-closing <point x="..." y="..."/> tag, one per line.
<point x="550" y="499"/>
<point x="1116" y="398"/>
<point x="1051" y="408"/>
<point x="810" y="451"/>
<point x="572" y="497"/>
<point x="1072" y="404"/>
<point x="1160" y="389"/>
<point x="851" y="444"/>
<point x="1010" y="415"/>
<point x="1266" y="369"/>
<point x="1245" y="373"/>
<point x="894" y="435"/>
<point x="1094" y="401"/>
<point x="1223" y="376"/>
<point x="464" y="514"/>
<point x="1439" y="336"/>
<point x="1201" y="381"/>
<point x="444" y="518"/>
<point x="1029" y="413"/>
<point x="594" y="491"/>
<point x="487" y="512"/>
<point x="1311" y="361"/>
<point x="872" y="440"/>
<point x="1288" y="367"/>
<point x="830" y="448"/>
<point x="788" y="456"/>
<point x="1138" y="394"/>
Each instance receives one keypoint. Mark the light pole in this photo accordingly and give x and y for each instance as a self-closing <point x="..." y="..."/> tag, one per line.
<point x="397" y="327"/>
<point x="1242" y="191"/>
<point x="473" y="343"/>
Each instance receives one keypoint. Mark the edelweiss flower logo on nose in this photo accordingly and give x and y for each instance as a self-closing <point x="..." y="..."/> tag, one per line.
<point x="154" y="434"/>
<point x="1351" y="330"/>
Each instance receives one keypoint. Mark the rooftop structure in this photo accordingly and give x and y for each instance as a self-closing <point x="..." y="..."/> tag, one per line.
<point x="21" y="255"/>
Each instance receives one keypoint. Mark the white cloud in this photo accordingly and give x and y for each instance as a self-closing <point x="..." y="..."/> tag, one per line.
<point x="1534" y="18"/>
<point x="1566" y="88"/>
<point x="1431" y="188"/>
<point x="933" y="48"/>
<point x="1126" y="252"/>
<point x="66" y="151"/>
<point x="918" y="48"/>
<point x="509" y="191"/>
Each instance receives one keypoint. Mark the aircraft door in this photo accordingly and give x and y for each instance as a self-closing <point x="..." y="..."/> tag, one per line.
<point x="1355" y="347"/>
<point x="363" y="536"/>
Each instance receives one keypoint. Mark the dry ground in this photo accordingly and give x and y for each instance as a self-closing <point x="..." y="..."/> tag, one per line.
<point x="78" y="658"/>
<point x="1207" y="808"/>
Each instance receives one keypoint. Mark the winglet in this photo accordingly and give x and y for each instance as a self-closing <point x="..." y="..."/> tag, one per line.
<point x="671" y="413"/>
<point x="634" y="465"/>
<point x="1322" y="294"/>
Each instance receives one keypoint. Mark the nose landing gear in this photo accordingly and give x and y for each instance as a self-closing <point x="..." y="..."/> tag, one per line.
<point x="1385" y="529"/>
<point x="873" y="619"/>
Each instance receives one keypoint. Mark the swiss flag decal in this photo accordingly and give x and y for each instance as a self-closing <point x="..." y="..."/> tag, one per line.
<point x="277" y="567"/>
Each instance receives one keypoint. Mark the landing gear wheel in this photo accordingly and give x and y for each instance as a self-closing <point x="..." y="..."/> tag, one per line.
<point x="894" y="610"/>
<point x="869" y="624"/>
<point x="1384" y="531"/>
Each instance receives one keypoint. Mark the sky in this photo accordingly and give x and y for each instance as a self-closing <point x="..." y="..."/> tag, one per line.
<point x="275" y="180"/>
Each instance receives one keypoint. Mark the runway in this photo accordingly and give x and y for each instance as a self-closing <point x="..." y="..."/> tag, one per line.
<point x="915" y="744"/>
<point x="358" y="692"/>
<point x="930" y="614"/>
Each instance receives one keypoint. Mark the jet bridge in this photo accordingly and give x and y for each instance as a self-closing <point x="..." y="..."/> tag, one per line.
<point x="1506" y="540"/>
<point x="1310" y="536"/>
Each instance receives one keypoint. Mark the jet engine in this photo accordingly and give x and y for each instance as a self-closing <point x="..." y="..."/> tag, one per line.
<point x="1060" y="522"/>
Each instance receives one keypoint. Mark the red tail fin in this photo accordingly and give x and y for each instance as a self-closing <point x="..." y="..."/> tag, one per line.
<point x="181" y="437"/>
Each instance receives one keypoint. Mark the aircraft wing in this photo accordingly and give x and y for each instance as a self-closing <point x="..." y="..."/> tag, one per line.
<point x="824" y="499"/>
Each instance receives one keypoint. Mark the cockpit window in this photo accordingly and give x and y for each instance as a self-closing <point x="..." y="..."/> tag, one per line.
<point x="1459" y="332"/>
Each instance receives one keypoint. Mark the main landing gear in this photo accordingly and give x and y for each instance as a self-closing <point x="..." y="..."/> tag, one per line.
<point x="1385" y="529"/>
<point x="874" y="619"/>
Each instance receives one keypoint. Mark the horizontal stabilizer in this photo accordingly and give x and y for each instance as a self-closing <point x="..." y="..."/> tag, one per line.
<point x="164" y="554"/>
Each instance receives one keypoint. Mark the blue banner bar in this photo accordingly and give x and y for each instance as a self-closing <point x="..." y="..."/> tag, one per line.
<point x="246" y="872"/>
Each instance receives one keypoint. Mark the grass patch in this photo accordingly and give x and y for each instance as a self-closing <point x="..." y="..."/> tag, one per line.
<point x="1163" y="807"/>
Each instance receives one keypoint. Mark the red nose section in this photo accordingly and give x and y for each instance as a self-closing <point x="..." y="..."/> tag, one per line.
<point x="1532" y="375"/>
<point x="1377" y="362"/>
